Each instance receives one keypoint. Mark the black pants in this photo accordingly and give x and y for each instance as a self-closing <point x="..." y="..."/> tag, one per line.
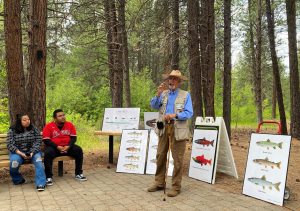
<point x="51" y="153"/>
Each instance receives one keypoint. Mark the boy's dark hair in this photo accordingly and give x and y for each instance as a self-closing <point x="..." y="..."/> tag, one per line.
<point x="57" y="111"/>
<point x="17" y="127"/>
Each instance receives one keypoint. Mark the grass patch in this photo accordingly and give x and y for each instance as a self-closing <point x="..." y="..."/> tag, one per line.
<point x="90" y="142"/>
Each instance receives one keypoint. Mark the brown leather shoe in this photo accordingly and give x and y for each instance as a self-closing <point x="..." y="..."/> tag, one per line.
<point x="173" y="193"/>
<point x="154" y="188"/>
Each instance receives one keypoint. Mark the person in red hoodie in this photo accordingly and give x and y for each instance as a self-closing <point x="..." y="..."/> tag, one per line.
<point x="59" y="137"/>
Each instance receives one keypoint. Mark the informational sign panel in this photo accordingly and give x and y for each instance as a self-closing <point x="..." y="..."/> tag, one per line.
<point x="117" y="119"/>
<point x="267" y="163"/>
<point x="203" y="156"/>
<point x="151" y="160"/>
<point x="150" y="119"/>
<point x="211" y="150"/>
<point x="133" y="149"/>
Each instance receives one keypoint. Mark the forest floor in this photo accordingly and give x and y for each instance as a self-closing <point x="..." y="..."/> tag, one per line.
<point x="239" y="144"/>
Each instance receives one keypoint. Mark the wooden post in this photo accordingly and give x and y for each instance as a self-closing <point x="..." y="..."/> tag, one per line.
<point x="111" y="149"/>
<point x="60" y="168"/>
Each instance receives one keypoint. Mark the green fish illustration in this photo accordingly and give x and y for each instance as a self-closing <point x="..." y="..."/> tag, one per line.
<point x="135" y="133"/>
<point x="264" y="182"/>
<point x="134" y="141"/>
<point x="132" y="157"/>
<point x="154" y="146"/>
<point x="266" y="162"/>
<point x="269" y="144"/>
<point x="130" y="166"/>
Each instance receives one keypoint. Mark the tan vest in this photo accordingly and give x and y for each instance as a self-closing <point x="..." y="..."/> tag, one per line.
<point x="181" y="126"/>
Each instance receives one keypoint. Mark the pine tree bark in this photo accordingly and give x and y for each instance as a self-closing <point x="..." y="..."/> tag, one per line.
<point x="14" y="59"/>
<point x="37" y="51"/>
<point x="276" y="72"/>
<point x="227" y="66"/>
<point x="115" y="53"/>
<point x="293" y="66"/>
<point x="256" y="58"/>
<point x="274" y="99"/>
<point x="123" y="32"/>
<point x="175" y="35"/>
<point x="207" y="48"/>
<point x="167" y="41"/>
<point x="194" y="57"/>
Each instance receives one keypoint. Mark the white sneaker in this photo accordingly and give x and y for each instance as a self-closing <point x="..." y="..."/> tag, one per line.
<point x="49" y="181"/>
<point x="80" y="177"/>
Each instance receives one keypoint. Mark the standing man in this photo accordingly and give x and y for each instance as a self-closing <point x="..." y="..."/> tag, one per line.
<point x="175" y="108"/>
<point x="59" y="137"/>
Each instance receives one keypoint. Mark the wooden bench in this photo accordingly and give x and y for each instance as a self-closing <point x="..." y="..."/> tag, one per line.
<point x="111" y="135"/>
<point x="4" y="156"/>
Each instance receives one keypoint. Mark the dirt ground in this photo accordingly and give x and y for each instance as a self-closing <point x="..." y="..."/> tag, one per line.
<point x="239" y="144"/>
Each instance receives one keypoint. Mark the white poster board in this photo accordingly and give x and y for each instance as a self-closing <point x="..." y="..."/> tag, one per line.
<point x="203" y="156"/>
<point x="267" y="164"/>
<point x="222" y="161"/>
<point x="117" y="119"/>
<point x="151" y="160"/>
<point x="133" y="149"/>
<point x="150" y="119"/>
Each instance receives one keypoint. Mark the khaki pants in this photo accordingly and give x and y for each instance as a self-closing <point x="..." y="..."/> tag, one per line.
<point x="177" y="149"/>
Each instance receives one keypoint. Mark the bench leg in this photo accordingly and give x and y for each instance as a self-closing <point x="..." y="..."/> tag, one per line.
<point x="60" y="168"/>
<point x="111" y="150"/>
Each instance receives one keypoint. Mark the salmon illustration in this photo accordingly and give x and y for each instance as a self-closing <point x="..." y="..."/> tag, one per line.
<point x="133" y="149"/>
<point x="151" y="123"/>
<point x="134" y="141"/>
<point x="266" y="162"/>
<point x="269" y="144"/>
<point x="130" y="166"/>
<point x="132" y="157"/>
<point x="201" y="160"/>
<point x="204" y="142"/>
<point x="263" y="182"/>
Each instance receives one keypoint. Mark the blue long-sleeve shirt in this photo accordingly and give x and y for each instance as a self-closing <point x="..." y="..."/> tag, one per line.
<point x="187" y="111"/>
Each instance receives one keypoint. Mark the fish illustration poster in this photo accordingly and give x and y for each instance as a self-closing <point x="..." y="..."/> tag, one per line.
<point x="133" y="149"/>
<point x="117" y="119"/>
<point x="150" y="119"/>
<point x="202" y="163"/>
<point x="267" y="163"/>
<point x="151" y="160"/>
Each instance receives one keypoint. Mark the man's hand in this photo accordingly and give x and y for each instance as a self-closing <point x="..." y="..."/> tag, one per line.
<point x="168" y="117"/>
<point x="60" y="149"/>
<point x="160" y="89"/>
<point x="65" y="149"/>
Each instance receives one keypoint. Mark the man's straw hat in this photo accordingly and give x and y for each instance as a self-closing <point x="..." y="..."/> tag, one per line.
<point x="174" y="73"/>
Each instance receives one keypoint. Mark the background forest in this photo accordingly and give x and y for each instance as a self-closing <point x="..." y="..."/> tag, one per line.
<point x="78" y="77"/>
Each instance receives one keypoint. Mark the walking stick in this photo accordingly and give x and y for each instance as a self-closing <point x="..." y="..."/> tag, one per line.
<point x="167" y="168"/>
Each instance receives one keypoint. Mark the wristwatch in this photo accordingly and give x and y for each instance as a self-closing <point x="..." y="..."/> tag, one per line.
<point x="176" y="117"/>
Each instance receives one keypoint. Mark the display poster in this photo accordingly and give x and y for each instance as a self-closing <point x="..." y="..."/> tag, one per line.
<point x="203" y="155"/>
<point x="151" y="160"/>
<point x="117" y="119"/>
<point x="267" y="164"/>
<point x="133" y="149"/>
<point x="150" y="119"/>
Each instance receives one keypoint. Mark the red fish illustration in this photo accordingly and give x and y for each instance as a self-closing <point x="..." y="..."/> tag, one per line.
<point x="201" y="160"/>
<point x="204" y="142"/>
